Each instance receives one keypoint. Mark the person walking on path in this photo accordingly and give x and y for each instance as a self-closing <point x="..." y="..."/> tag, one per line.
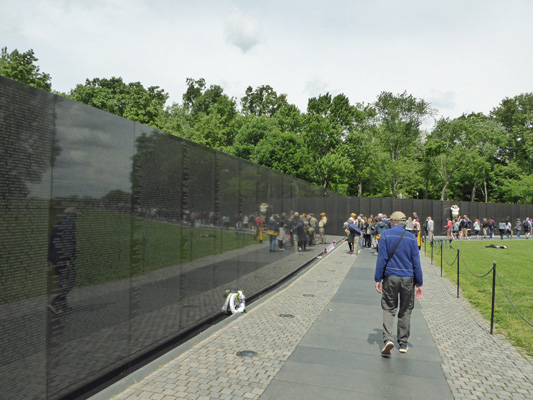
<point x="398" y="276"/>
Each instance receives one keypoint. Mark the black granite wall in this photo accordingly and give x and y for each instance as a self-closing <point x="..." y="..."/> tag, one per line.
<point x="116" y="237"/>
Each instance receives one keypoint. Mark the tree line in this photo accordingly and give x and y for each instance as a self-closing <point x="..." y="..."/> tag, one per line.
<point x="379" y="149"/>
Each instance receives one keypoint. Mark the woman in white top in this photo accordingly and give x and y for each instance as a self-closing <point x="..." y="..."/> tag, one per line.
<point x="477" y="228"/>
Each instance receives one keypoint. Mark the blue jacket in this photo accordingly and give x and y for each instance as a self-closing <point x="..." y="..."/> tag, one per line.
<point x="406" y="261"/>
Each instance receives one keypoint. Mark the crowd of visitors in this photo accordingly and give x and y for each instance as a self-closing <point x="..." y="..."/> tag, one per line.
<point x="365" y="232"/>
<point x="464" y="228"/>
<point x="300" y="230"/>
<point x="295" y="230"/>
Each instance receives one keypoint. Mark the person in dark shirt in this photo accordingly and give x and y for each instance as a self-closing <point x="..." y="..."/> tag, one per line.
<point x="62" y="254"/>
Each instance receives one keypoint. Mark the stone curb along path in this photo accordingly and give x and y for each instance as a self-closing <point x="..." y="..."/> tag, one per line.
<point x="476" y="364"/>
<point x="213" y="370"/>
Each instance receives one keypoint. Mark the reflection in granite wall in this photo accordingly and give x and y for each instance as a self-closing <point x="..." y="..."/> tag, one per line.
<point x="26" y="151"/>
<point x="116" y="238"/>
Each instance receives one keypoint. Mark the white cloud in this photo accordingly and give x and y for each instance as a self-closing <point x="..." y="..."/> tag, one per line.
<point x="316" y="86"/>
<point x="460" y="56"/>
<point x="442" y="100"/>
<point x="242" y="31"/>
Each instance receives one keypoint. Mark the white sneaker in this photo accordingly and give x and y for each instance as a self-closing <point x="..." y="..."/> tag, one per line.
<point x="388" y="347"/>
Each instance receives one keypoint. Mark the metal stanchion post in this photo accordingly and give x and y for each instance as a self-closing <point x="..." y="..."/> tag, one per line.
<point x="441" y="248"/>
<point x="431" y="253"/>
<point x="493" y="297"/>
<point x="457" y="273"/>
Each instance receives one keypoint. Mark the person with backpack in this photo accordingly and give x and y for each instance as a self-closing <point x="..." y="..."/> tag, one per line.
<point x="527" y="227"/>
<point x="491" y="227"/>
<point x="463" y="225"/>
<point x="378" y="229"/>
<point x="518" y="227"/>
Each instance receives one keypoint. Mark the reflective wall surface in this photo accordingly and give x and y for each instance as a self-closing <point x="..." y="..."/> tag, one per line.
<point x="116" y="238"/>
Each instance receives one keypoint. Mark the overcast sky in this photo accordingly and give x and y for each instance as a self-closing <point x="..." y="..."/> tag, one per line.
<point x="460" y="55"/>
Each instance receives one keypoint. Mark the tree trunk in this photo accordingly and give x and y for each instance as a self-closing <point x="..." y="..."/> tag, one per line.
<point x="360" y="189"/>
<point x="486" y="193"/>
<point x="473" y="193"/>
<point x="443" y="192"/>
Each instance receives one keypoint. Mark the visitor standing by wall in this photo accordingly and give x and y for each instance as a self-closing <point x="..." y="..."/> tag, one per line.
<point x="322" y="227"/>
<point x="518" y="227"/>
<point x="430" y="229"/>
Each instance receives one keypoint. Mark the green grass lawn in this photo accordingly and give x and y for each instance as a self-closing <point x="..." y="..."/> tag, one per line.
<point x="106" y="242"/>
<point x="110" y="246"/>
<point x="515" y="268"/>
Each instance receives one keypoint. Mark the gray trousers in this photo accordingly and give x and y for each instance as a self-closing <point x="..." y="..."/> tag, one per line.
<point x="394" y="289"/>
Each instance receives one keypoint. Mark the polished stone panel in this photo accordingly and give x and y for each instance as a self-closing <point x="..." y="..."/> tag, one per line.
<point x="116" y="238"/>
<point x="26" y="153"/>
<point x="90" y="219"/>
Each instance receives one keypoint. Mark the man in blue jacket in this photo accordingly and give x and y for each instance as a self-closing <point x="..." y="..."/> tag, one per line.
<point x="398" y="279"/>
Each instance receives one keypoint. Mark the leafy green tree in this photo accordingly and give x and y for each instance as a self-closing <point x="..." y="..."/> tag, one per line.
<point x="283" y="152"/>
<point x="213" y="131"/>
<point x="210" y="114"/>
<point x="289" y="119"/>
<point x="327" y="123"/>
<point x="519" y="190"/>
<point x="253" y="130"/>
<point x="174" y="120"/>
<point x="362" y="150"/>
<point x="464" y="151"/>
<point x="486" y="139"/>
<point x="132" y="100"/>
<point x="445" y="151"/>
<point x="199" y="100"/>
<point x="21" y="67"/>
<point x="334" y="168"/>
<point x="400" y="117"/>
<point x="195" y="89"/>
<point x="262" y="101"/>
<point x="516" y="115"/>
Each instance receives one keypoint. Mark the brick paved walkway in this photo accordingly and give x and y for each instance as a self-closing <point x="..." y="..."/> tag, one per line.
<point x="212" y="369"/>
<point x="477" y="365"/>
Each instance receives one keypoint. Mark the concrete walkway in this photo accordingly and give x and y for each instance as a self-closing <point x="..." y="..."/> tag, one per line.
<point x="320" y="338"/>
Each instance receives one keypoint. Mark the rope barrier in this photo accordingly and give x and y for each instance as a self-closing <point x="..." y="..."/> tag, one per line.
<point x="453" y="262"/>
<point x="493" y="269"/>
<point x="506" y="295"/>
<point x="477" y="276"/>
